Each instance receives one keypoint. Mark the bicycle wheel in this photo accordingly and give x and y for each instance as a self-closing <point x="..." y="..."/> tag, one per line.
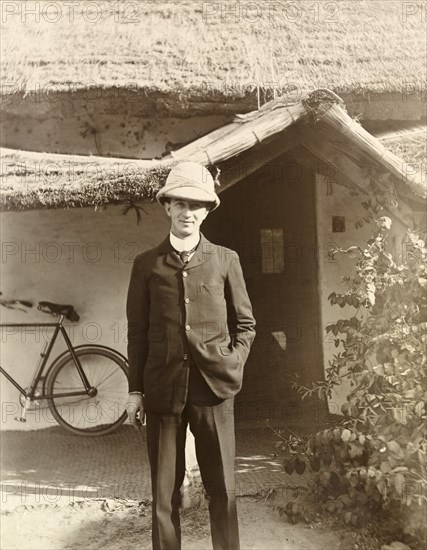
<point x="101" y="414"/>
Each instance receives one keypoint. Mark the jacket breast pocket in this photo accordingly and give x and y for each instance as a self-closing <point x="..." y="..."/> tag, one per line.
<point x="212" y="290"/>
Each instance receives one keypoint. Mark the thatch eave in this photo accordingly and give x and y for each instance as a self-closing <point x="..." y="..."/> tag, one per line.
<point x="36" y="180"/>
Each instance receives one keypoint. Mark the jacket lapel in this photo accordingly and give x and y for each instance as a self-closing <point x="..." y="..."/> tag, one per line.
<point x="199" y="255"/>
<point x="171" y="258"/>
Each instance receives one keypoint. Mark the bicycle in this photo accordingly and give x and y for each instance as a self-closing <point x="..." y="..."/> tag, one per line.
<point x="86" y="386"/>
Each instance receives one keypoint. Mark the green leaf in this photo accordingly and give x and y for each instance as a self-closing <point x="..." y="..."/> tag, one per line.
<point x="345" y="435"/>
<point x="400" y="414"/>
<point x="382" y="487"/>
<point x="399" y="483"/>
<point x="422" y="281"/>
<point x="419" y="409"/>
<point x="355" y="450"/>
<point x="385" y="467"/>
<point x="379" y="369"/>
<point x="400" y="469"/>
<point x="395" y="449"/>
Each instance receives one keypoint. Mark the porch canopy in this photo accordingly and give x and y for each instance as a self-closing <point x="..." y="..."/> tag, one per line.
<point x="317" y="125"/>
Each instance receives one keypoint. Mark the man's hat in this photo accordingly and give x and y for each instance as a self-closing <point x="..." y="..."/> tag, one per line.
<point x="189" y="181"/>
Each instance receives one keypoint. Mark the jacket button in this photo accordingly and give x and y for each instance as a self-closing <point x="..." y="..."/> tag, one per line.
<point x="187" y="327"/>
<point x="184" y="274"/>
<point x="185" y="357"/>
<point x="187" y="300"/>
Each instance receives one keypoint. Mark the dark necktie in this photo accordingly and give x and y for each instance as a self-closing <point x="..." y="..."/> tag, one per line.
<point x="185" y="255"/>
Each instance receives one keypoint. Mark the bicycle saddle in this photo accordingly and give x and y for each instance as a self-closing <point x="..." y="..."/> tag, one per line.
<point x="58" y="309"/>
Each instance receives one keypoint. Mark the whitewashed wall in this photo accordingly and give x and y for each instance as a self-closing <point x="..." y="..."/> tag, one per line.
<point x="109" y="134"/>
<point x="341" y="203"/>
<point x="78" y="256"/>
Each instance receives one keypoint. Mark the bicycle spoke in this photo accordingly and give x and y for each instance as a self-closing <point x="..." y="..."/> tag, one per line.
<point x="96" y="372"/>
<point x="98" y="413"/>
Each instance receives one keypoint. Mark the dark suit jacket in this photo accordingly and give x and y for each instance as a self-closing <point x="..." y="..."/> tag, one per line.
<point x="200" y="309"/>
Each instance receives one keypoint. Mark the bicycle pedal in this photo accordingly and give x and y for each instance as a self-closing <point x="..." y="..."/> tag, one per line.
<point x="20" y="419"/>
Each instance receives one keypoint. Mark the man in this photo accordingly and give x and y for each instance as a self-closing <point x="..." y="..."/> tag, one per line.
<point x="190" y="331"/>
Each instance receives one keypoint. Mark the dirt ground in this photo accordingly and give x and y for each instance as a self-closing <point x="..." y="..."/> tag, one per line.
<point x="119" y="524"/>
<point x="62" y="492"/>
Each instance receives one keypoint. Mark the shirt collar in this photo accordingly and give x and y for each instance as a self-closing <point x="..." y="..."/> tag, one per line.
<point x="184" y="244"/>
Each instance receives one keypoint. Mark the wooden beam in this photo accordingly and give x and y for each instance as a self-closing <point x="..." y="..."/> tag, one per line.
<point x="336" y="116"/>
<point x="237" y="137"/>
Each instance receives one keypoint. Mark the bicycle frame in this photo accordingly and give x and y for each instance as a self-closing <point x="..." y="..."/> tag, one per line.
<point x="44" y="355"/>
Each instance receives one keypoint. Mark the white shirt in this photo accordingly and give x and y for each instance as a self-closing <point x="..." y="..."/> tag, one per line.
<point x="184" y="244"/>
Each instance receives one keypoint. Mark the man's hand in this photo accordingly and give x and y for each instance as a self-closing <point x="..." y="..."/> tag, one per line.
<point x="135" y="410"/>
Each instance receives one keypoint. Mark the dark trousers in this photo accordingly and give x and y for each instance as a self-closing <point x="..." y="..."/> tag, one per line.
<point x="213" y="430"/>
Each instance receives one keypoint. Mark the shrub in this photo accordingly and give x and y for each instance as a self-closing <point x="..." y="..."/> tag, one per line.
<point x="377" y="454"/>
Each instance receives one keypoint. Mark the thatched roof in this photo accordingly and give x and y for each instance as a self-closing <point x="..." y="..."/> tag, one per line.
<point x="409" y="145"/>
<point x="319" y="123"/>
<point x="221" y="48"/>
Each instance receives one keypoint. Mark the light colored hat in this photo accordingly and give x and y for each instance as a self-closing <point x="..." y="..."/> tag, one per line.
<point x="189" y="181"/>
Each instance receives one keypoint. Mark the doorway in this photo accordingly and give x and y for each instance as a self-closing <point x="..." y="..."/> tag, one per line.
<point x="269" y="218"/>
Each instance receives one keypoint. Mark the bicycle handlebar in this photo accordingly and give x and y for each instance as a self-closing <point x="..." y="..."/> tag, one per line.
<point x="14" y="304"/>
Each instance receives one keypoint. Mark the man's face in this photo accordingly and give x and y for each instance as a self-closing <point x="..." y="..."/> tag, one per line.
<point x="186" y="216"/>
